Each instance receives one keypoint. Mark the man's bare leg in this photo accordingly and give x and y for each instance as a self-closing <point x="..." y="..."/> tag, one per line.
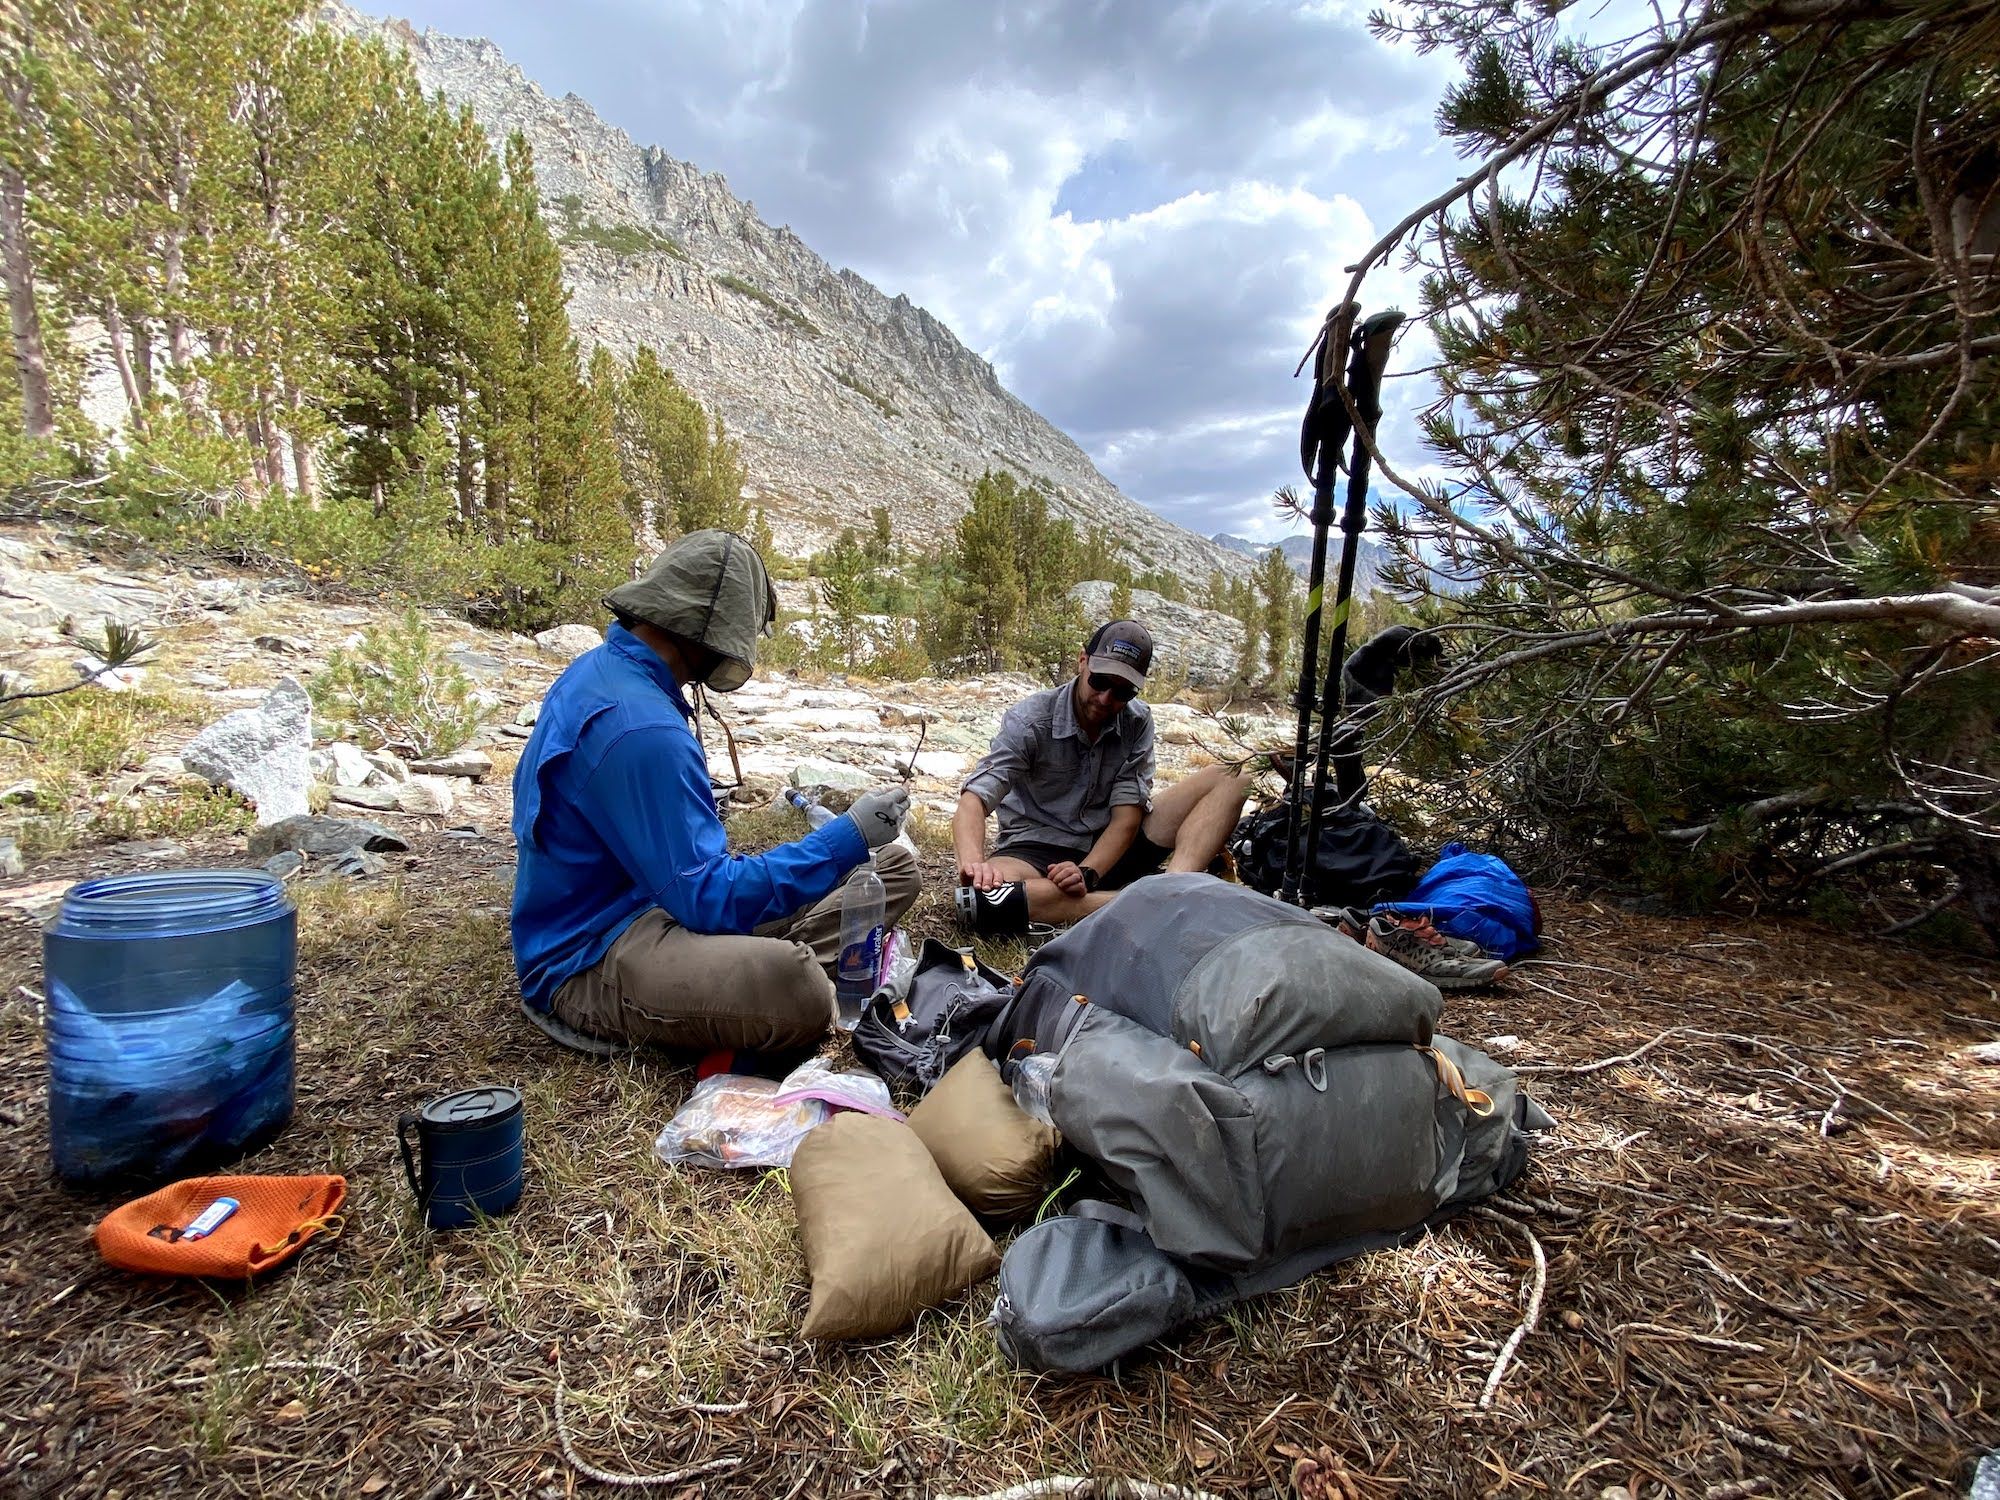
<point x="1046" y="901"/>
<point x="1195" y="817"/>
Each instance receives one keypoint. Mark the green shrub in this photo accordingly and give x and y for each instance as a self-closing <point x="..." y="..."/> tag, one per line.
<point x="757" y="294"/>
<point x="26" y="462"/>
<point x="621" y="239"/>
<point x="177" y="465"/>
<point x="397" y="690"/>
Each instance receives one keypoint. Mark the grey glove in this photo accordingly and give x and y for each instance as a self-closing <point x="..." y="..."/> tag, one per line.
<point x="879" y="814"/>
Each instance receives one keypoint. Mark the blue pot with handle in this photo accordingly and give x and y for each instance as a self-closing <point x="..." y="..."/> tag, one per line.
<point x="468" y="1158"/>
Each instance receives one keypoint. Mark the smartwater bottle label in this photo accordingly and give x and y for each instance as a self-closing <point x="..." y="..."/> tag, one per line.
<point x="859" y="962"/>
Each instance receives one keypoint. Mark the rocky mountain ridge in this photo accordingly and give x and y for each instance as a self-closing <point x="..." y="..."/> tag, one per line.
<point x="1368" y="562"/>
<point x="844" y="398"/>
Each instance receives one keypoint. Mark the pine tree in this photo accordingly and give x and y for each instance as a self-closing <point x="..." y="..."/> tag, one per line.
<point x="686" y="471"/>
<point x="843" y="571"/>
<point x="1717" y="450"/>
<point x="1121" y="600"/>
<point x="1248" y="610"/>
<point x="1277" y="587"/>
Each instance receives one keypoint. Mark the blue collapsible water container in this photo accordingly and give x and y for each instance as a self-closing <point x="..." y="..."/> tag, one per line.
<point x="170" y="1023"/>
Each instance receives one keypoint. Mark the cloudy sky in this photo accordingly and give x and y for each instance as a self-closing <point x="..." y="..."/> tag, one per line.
<point x="1138" y="210"/>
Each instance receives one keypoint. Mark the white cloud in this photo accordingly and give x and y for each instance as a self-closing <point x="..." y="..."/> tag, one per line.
<point x="1139" y="210"/>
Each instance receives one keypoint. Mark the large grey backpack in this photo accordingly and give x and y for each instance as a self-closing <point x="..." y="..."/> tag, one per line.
<point x="1269" y="1095"/>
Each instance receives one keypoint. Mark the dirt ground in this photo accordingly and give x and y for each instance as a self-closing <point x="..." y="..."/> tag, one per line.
<point x="1758" y="1257"/>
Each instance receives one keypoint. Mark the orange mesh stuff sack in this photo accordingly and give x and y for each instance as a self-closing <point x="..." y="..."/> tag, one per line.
<point x="274" y="1218"/>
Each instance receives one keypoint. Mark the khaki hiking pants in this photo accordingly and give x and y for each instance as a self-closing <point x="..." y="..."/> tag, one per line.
<point x="664" y="985"/>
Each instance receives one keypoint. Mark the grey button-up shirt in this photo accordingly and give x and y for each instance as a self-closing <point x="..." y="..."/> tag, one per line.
<point x="1050" y="784"/>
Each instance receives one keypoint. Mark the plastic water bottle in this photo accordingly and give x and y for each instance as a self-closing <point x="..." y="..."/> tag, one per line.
<point x="170" y="1023"/>
<point x="816" y="815"/>
<point x="862" y="903"/>
<point x="1032" y="1075"/>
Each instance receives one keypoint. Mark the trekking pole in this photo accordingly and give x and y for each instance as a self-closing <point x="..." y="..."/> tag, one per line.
<point x="1370" y="357"/>
<point x="1322" y="439"/>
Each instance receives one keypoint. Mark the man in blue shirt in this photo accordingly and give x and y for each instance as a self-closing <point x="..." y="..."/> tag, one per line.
<point x="632" y="920"/>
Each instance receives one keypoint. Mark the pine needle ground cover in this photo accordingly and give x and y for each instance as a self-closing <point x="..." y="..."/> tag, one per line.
<point x="1759" y="1257"/>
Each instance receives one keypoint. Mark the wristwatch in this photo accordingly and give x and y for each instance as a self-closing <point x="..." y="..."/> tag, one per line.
<point x="1090" y="878"/>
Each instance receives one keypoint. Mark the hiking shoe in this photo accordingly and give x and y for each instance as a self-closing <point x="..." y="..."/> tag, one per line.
<point x="1433" y="960"/>
<point x="1423" y="928"/>
<point x="1348" y="921"/>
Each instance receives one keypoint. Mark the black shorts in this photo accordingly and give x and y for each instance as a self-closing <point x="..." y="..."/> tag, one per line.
<point x="1144" y="858"/>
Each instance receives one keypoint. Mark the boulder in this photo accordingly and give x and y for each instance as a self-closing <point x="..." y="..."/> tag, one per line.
<point x="473" y="764"/>
<point x="351" y="766"/>
<point x="82" y="603"/>
<point x="285" y="863"/>
<point x="11" y="863"/>
<point x="427" y="796"/>
<point x="324" y="836"/>
<point x="477" y="663"/>
<point x="568" y="641"/>
<point x="355" y="863"/>
<point x="812" y="772"/>
<point x="388" y="769"/>
<point x="261" y="753"/>
<point x="529" y="712"/>
<point x="97" y="673"/>
<point x="374" y="798"/>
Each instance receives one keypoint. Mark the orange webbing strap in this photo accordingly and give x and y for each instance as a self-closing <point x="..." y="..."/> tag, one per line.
<point x="274" y="1218"/>
<point x="1477" y="1100"/>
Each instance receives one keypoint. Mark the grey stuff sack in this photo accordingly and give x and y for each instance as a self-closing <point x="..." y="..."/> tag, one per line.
<point x="1078" y="1292"/>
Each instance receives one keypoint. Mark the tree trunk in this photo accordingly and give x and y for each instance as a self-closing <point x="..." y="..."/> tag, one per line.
<point x="274" y="448"/>
<point x="24" y="319"/>
<point x="142" y="357"/>
<point x="237" y="432"/>
<point x="180" y="342"/>
<point x="303" y="471"/>
<point x="114" y="331"/>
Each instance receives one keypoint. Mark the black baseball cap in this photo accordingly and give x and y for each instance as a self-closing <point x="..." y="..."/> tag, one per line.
<point x="1124" y="648"/>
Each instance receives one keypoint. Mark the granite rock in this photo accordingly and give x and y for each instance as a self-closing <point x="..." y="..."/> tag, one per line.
<point x="261" y="753"/>
<point x="323" y="836"/>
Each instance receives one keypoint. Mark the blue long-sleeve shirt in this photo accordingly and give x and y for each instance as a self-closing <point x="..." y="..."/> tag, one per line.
<point x="613" y="815"/>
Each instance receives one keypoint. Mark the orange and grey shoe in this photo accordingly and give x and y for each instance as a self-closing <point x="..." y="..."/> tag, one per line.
<point x="1349" y="921"/>
<point x="1431" y="958"/>
<point x="1426" y="930"/>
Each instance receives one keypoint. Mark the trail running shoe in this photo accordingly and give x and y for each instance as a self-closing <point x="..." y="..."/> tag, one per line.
<point x="1423" y="928"/>
<point x="1433" y="960"/>
<point x="1349" y="921"/>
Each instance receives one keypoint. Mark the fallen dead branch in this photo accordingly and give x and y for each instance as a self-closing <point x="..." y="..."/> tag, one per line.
<point x="633" y="1481"/>
<point x="1534" y="1313"/>
<point x="1091" y="1489"/>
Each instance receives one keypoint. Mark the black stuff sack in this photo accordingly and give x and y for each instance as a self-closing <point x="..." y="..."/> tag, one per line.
<point x="1361" y="859"/>
<point x="913" y="1039"/>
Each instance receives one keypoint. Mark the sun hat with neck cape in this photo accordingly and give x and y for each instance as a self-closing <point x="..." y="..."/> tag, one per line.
<point x="709" y="587"/>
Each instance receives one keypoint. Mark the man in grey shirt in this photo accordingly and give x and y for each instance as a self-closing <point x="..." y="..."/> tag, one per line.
<point x="1071" y="776"/>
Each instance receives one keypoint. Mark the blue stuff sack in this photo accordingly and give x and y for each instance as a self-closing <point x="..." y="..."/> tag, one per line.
<point x="1476" y="896"/>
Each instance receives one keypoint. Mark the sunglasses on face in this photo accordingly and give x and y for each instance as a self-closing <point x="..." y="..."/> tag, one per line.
<point x="1117" y="687"/>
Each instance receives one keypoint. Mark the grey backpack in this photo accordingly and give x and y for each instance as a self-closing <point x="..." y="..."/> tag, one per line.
<point x="1269" y="1095"/>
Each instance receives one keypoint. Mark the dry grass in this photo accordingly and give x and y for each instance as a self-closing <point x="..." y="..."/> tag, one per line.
<point x="74" y="748"/>
<point x="1732" y="1295"/>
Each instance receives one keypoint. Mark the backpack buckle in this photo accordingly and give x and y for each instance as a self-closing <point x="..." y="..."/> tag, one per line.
<point x="1314" y="1064"/>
